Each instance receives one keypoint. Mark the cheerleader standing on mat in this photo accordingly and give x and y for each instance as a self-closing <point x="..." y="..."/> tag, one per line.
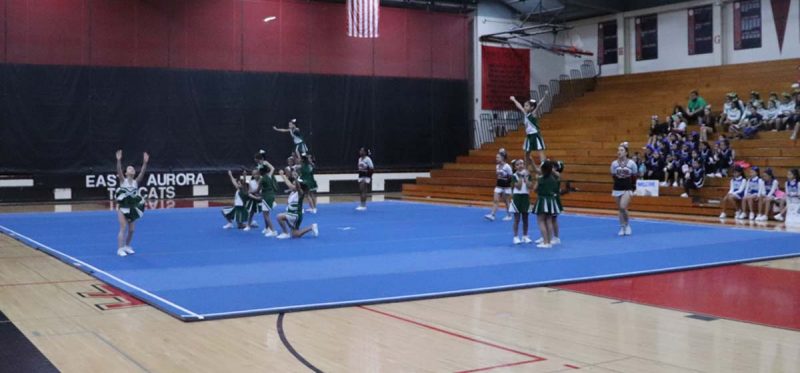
<point x="253" y="201"/>
<point x="237" y="213"/>
<point x="365" y="169"/>
<point x="307" y="182"/>
<point x="502" y="189"/>
<point x="300" y="147"/>
<point x="268" y="187"/>
<point x="558" y="168"/>
<point x="533" y="136"/>
<point x="623" y="170"/>
<point x="291" y="219"/>
<point x="547" y="204"/>
<point x="520" y="202"/>
<point x="130" y="203"/>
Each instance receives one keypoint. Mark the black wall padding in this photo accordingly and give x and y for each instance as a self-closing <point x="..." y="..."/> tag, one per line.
<point x="58" y="119"/>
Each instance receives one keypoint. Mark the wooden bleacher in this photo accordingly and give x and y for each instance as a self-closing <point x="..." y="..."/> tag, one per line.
<point x="586" y="132"/>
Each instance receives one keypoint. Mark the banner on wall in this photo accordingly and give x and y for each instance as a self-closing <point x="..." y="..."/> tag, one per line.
<point x="701" y="28"/>
<point x="647" y="37"/>
<point x="607" y="42"/>
<point x="505" y="72"/>
<point x="780" y="14"/>
<point x="747" y="24"/>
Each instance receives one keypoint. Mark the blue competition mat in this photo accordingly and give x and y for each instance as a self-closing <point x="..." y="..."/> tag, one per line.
<point x="187" y="265"/>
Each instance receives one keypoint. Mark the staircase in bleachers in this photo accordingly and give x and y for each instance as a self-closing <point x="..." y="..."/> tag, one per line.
<point x="586" y="132"/>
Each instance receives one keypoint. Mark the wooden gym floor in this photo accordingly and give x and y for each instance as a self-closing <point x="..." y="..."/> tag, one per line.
<point x="80" y="325"/>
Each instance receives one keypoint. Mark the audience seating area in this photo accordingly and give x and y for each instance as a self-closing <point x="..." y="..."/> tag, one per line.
<point x="586" y="132"/>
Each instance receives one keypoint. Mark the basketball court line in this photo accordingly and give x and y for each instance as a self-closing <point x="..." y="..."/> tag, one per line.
<point x="531" y="357"/>
<point x="94" y="271"/>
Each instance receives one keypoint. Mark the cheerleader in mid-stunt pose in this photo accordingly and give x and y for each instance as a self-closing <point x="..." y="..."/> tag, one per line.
<point x="300" y="147"/>
<point x="130" y="203"/>
<point x="533" y="135"/>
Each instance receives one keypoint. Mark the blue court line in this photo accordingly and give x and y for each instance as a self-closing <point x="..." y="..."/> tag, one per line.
<point x="188" y="267"/>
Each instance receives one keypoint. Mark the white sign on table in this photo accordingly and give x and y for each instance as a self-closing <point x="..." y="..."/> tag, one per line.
<point x="647" y="188"/>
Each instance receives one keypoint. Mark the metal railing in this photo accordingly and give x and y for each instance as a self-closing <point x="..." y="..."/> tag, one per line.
<point x="498" y="123"/>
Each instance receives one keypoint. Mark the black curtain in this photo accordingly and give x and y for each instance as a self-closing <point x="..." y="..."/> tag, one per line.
<point x="58" y="119"/>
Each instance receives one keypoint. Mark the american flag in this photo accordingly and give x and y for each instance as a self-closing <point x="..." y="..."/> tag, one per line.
<point x="362" y="18"/>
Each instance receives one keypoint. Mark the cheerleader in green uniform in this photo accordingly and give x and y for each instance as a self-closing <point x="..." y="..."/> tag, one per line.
<point x="252" y="203"/>
<point x="558" y="168"/>
<point x="237" y="213"/>
<point x="307" y="183"/>
<point x="130" y="203"/>
<point x="548" y="203"/>
<point x="300" y="147"/>
<point x="291" y="220"/>
<point x="520" y="200"/>
<point x="533" y="135"/>
<point x="268" y="188"/>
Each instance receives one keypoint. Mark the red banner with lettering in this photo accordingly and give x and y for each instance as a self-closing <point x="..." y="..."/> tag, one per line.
<point x="505" y="72"/>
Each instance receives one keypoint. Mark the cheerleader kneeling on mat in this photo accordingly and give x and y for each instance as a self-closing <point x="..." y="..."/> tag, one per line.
<point x="291" y="219"/>
<point x="130" y="203"/>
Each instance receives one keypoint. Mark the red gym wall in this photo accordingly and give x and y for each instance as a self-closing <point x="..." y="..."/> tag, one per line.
<point x="307" y="37"/>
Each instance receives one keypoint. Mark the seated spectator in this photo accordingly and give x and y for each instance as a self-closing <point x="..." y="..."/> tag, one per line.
<point x="672" y="171"/>
<point x="770" y="195"/>
<point x="678" y="124"/>
<point x="755" y="100"/>
<point x="748" y="125"/>
<point x="785" y="110"/>
<point x="656" y="129"/>
<point x="707" y="123"/>
<point x="727" y="105"/>
<point x="695" y="107"/>
<point x="791" y="190"/>
<point x="792" y="122"/>
<point x="707" y="159"/>
<point x="773" y="96"/>
<point x="735" y="194"/>
<point x="694" y="177"/>
<point x="753" y="193"/>
<point x="725" y="158"/>
<point x="654" y="167"/>
<point x="640" y="168"/>
<point x="731" y="116"/>
<point x="770" y="116"/>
